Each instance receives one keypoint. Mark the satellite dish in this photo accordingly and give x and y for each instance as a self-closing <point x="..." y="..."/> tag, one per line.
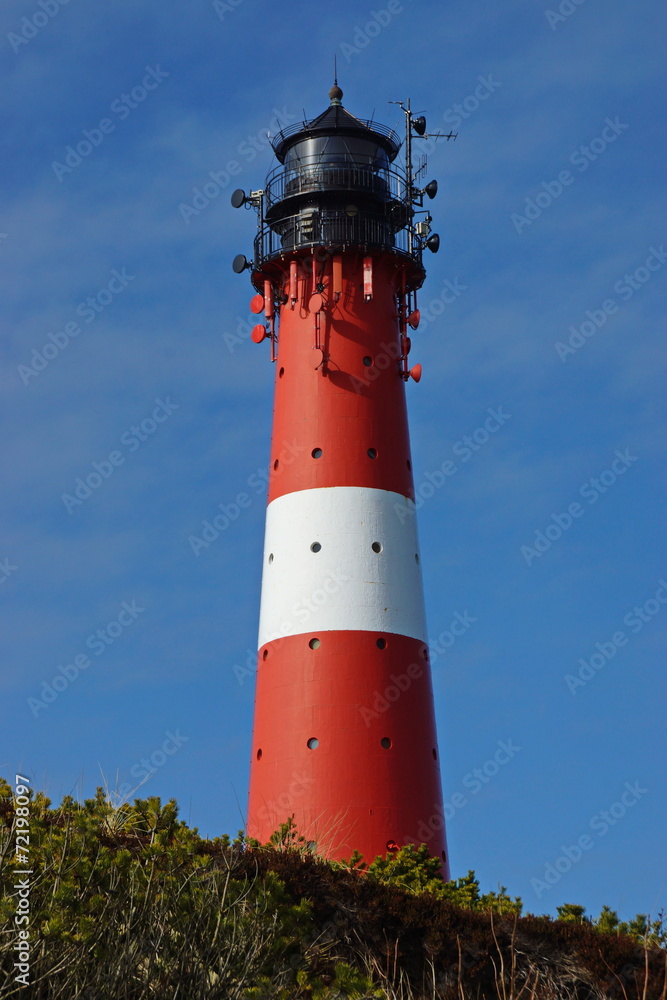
<point x="419" y="125"/>
<point x="431" y="189"/>
<point x="433" y="243"/>
<point x="238" y="198"/>
<point x="239" y="264"/>
<point x="258" y="333"/>
<point x="257" y="303"/>
<point x="416" y="373"/>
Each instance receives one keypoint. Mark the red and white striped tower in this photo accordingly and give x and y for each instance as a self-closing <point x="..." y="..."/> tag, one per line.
<point x="344" y="735"/>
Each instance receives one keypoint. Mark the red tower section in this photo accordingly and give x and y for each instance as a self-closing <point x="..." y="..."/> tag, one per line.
<point x="344" y="734"/>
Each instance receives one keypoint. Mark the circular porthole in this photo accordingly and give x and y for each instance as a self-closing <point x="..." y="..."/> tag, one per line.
<point x="265" y="654"/>
<point x="444" y="857"/>
<point x="417" y="558"/>
<point x="368" y="361"/>
<point x="385" y="743"/>
<point x="315" y="547"/>
<point x="425" y="652"/>
<point x="376" y="547"/>
<point x="316" y="453"/>
<point x="381" y="643"/>
<point x="281" y="373"/>
<point x="270" y="557"/>
<point x="314" y="643"/>
<point x="409" y="466"/>
<point x="435" y="753"/>
<point x="276" y="464"/>
<point x="313" y="743"/>
<point x="392" y="846"/>
<point x="259" y="755"/>
<point x="372" y="453"/>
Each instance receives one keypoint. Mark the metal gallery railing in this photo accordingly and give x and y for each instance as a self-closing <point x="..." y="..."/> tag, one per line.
<point x="313" y="178"/>
<point x="333" y="230"/>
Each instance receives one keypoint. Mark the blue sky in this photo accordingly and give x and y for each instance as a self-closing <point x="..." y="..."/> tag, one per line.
<point x="539" y="236"/>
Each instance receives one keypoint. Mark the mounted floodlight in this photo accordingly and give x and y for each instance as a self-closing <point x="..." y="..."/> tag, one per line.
<point x="433" y="243"/>
<point x="238" y="198"/>
<point x="419" y="125"/>
<point x="414" y="318"/>
<point x="240" y="263"/>
<point x="431" y="189"/>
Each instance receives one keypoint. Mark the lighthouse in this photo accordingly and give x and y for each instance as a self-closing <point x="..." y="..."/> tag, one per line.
<point x="344" y="739"/>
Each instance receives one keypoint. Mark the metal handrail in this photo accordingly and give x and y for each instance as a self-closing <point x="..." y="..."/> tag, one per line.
<point x="312" y="127"/>
<point x="284" y="182"/>
<point x="315" y="229"/>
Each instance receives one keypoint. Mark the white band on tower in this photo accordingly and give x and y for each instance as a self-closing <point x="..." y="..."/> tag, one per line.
<point x="341" y="558"/>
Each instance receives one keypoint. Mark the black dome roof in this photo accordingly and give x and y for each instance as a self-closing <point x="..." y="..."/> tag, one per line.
<point x="336" y="120"/>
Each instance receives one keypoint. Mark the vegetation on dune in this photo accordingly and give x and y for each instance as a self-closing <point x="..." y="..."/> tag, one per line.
<point x="129" y="903"/>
